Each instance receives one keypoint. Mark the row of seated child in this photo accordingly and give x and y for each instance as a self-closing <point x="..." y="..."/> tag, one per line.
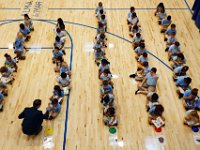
<point x="191" y="101"/>
<point x="61" y="67"/>
<point x="106" y="90"/>
<point x="145" y="75"/>
<point x="10" y="66"/>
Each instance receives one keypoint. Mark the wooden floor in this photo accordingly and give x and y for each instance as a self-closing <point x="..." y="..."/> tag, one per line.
<point x="85" y="129"/>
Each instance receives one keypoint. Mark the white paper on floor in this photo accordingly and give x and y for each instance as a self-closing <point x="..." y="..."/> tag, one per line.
<point x="88" y="47"/>
<point x="155" y="143"/>
<point x="10" y="46"/>
<point x="114" y="76"/>
<point x="111" y="45"/>
<point x="197" y="138"/>
<point x="48" y="142"/>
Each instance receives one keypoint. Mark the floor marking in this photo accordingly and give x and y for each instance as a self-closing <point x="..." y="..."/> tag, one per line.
<point x="107" y="9"/>
<point x="10" y="8"/>
<point x="88" y="47"/>
<point x="114" y="76"/>
<point x="111" y="45"/>
<point x="188" y="6"/>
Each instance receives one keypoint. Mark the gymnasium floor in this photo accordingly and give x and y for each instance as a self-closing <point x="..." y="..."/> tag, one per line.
<point x="79" y="125"/>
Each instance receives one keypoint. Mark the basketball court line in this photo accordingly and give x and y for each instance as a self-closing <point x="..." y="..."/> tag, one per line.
<point x="45" y="48"/>
<point x="10" y="8"/>
<point x="63" y="8"/>
<point x="188" y="6"/>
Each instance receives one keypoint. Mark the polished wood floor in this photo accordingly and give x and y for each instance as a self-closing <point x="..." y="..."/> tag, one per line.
<point x="85" y="129"/>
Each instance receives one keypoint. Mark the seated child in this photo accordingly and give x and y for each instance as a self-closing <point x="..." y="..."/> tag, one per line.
<point x="169" y="31"/>
<point x="64" y="80"/>
<point x="106" y="88"/>
<point x="182" y="84"/>
<point x="178" y="60"/>
<point x="102" y="38"/>
<point x="101" y="28"/>
<point x="191" y="118"/>
<point x="180" y="71"/>
<point x="28" y="22"/>
<point x="149" y="83"/>
<point x="134" y="30"/>
<point x="141" y="72"/>
<point x="103" y="21"/>
<point x="25" y="31"/>
<point x="56" y="54"/>
<point x="3" y="88"/>
<point x="103" y="66"/>
<point x="160" y="8"/>
<point x="7" y="75"/>
<point x="107" y="100"/>
<point x="154" y="112"/>
<point x="143" y="58"/>
<point x="170" y="41"/>
<point x="97" y="45"/>
<point x="58" y="93"/>
<point x="132" y="10"/>
<point x="161" y="15"/>
<point x="106" y="76"/>
<point x="189" y="97"/>
<point x="110" y="118"/>
<point x="59" y="43"/>
<point x="137" y="40"/>
<point x="64" y="68"/>
<point x="61" y="34"/>
<point x="133" y="20"/>
<point x="99" y="55"/>
<point x="1" y="101"/>
<point x="152" y="99"/>
<point x="54" y="109"/>
<point x="165" y="23"/>
<point x="10" y="63"/>
<point x="140" y="50"/>
<point x="100" y="7"/>
<point x="19" y="46"/>
<point x="174" y="50"/>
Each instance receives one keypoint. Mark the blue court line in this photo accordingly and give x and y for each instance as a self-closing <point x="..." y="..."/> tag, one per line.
<point x="10" y="8"/>
<point x="83" y="25"/>
<point x="46" y="48"/>
<point x="62" y="8"/>
<point x="71" y="59"/>
<point x="188" y="6"/>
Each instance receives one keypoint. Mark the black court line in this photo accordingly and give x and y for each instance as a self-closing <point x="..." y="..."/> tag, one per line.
<point x="188" y="6"/>
<point x="62" y="8"/>
<point x="10" y="8"/>
<point x="45" y="48"/>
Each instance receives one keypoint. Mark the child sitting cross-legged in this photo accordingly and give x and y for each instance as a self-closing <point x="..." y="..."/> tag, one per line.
<point x="109" y="117"/>
<point x="54" y="109"/>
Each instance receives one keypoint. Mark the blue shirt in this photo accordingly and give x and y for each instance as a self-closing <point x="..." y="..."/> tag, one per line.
<point x="143" y="59"/>
<point x="56" y="108"/>
<point x="147" y="69"/>
<point x="106" y="89"/>
<point x="140" y="51"/>
<point x="26" y="31"/>
<point x="1" y="97"/>
<point x="166" y="22"/>
<point x="151" y="81"/>
<point x="10" y="63"/>
<point x="19" y="45"/>
<point x="170" y="31"/>
<point x="99" y="54"/>
<point x="171" y="40"/>
<point x="181" y="82"/>
<point x="178" y="70"/>
<point x="174" y="49"/>
<point x="62" y="94"/>
<point x="187" y="93"/>
<point x="63" y="69"/>
<point x="57" y="54"/>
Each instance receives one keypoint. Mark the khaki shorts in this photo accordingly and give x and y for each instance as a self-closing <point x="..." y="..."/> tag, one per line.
<point x="150" y="88"/>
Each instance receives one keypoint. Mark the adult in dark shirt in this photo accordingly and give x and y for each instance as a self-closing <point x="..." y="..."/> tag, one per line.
<point x="33" y="118"/>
